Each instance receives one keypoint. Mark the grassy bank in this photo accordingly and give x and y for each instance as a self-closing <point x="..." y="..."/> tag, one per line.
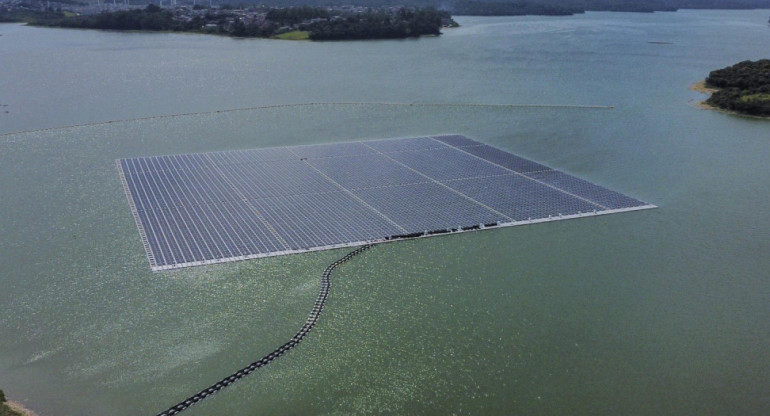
<point x="294" y="35"/>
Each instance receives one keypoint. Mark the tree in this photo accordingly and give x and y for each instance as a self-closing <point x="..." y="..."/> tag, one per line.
<point x="151" y="8"/>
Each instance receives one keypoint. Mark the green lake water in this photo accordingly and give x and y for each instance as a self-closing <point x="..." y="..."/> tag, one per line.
<point x="660" y="312"/>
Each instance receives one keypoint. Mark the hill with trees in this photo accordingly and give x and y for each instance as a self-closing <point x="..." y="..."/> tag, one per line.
<point x="150" y="18"/>
<point x="743" y="88"/>
<point x="405" y="23"/>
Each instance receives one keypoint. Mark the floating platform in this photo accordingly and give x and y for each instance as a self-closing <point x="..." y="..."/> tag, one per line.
<point x="203" y="208"/>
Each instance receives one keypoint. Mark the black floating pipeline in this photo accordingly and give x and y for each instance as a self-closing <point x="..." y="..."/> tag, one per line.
<point x="310" y="323"/>
<point x="437" y="232"/>
<point x="405" y="236"/>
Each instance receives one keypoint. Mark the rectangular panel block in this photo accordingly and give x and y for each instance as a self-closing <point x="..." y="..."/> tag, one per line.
<point x="457" y="140"/>
<point x="605" y="198"/>
<point x="316" y="151"/>
<point x="505" y="159"/>
<point x="194" y="209"/>
<point x="403" y="145"/>
<point x="320" y="220"/>
<point x="276" y="178"/>
<point x="427" y="207"/>
<point x="447" y="164"/>
<point x="521" y="198"/>
<point x="369" y="171"/>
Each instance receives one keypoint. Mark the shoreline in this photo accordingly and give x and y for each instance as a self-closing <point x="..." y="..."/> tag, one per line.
<point x="702" y="88"/>
<point x="18" y="407"/>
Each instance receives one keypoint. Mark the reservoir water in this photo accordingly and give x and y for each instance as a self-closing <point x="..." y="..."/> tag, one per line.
<point x="659" y="312"/>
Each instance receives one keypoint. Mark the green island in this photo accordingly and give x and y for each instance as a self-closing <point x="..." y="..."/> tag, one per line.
<point x="293" y="23"/>
<point x="743" y="88"/>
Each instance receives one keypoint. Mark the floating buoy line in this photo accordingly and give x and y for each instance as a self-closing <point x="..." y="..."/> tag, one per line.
<point x="312" y="319"/>
<point x="331" y="103"/>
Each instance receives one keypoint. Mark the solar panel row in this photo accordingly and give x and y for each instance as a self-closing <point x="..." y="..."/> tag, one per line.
<point x="212" y="207"/>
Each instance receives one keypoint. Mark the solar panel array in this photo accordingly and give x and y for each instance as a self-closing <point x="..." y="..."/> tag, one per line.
<point x="206" y="208"/>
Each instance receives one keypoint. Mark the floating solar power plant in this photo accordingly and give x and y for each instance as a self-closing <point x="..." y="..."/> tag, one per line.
<point x="215" y="207"/>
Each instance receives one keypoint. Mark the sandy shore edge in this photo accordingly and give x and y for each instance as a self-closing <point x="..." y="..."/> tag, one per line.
<point x="701" y="87"/>
<point x="21" y="409"/>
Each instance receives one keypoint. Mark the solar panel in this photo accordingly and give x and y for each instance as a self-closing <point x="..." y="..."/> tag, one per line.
<point x="402" y="145"/>
<point x="427" y="206"/>
<point x="203" y="208"/>
<point x="605" y="198"/>
<point x="272" y="179"/>
<point x="326" y="219"/>
<point x="447" y="164"/>
<point x="457" y="140"/>
<point x="504" y="159"/>
<point x="521" y="198"/>
<point x="331" y="150"/>
<point x="366" y="171"/>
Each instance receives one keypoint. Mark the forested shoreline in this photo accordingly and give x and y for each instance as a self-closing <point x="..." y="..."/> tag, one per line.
<point x="313" y="23"/>
<point x="405" y="23"/>
<point x="743" y="88"/>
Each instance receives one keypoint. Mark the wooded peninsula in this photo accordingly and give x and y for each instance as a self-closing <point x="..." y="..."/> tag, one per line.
<point x="303" y="22"/>
<point x="743" y="88"/>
